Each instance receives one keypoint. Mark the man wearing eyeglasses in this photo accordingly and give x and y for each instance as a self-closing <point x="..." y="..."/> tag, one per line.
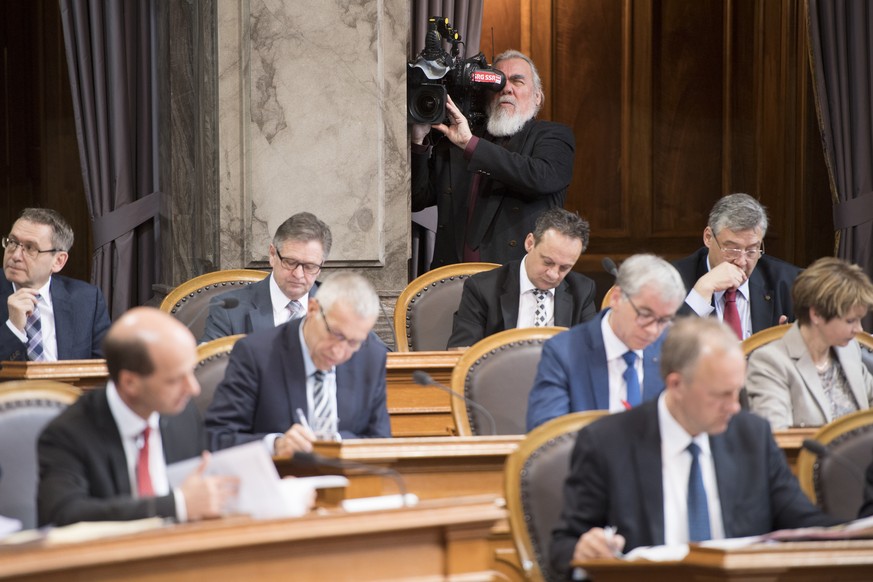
<point x="730" y="277"/>
<point x="298" y="251"/>
<point x="611" y="362"/>
<point x="316" y="377"/>
<point x="48" y="317"/>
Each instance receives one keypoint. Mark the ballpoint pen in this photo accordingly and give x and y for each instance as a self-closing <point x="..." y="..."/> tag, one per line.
<point x="609" y="532"/>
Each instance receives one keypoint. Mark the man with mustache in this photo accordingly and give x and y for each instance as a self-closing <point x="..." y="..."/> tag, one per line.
<point x="491" y="183"/>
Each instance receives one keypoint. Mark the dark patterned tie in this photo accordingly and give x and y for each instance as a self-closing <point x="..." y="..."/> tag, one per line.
<point x="540" y="318"/>
<point x="631" y="379"/>
<point x="33" y="330"/>
<point x="320" y="397"/>
<point x="698" y="509"/>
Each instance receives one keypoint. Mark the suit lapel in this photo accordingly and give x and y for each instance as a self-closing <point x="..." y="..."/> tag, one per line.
<point x="652" y="382"/>
<point x="727" y="477"/>
<point x="799" y="355"/>
<point x="63" y="313"/>
<point x="563" y="305"/>
<point x="110" y="442"/>
<point x="853" y="373"/>
<point x="509" y="297"/>
<point x="293" y="370"/>
<point x="646" y="453"/>
<point x="760" y="303"/>
<point x="261" y="315"/>
<point x="597" y="362"/>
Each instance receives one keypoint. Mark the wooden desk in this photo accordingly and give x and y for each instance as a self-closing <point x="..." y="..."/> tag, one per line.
<point x="847" y="561"/>
<point x="82" y="373"/>
<point x="434" y="541"/>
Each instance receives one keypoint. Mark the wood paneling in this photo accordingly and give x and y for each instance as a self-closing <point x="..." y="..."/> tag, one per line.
<point x="675" y="103"/>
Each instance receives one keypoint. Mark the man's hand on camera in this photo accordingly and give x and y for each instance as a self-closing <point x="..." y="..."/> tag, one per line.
<point x="459" y="131"/>
<point x="419" y="132"/>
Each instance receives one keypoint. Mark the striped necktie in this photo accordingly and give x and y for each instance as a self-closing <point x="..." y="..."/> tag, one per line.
<point x="33" y="330"/>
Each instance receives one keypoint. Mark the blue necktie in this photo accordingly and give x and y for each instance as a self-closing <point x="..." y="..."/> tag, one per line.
<point x="631" y="380"/>
<point x="698" y="509"/>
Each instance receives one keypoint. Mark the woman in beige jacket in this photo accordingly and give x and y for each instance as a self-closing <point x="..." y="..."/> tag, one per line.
<point x="815" y="374"/>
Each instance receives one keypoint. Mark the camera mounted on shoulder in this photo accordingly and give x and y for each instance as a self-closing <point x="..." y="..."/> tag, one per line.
<point x="435" y="73"/>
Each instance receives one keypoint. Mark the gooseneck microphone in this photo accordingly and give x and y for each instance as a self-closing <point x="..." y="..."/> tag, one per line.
<point x="424" y="379"/>
<point x="609" y="266"/>
<point x="316" y="460"/>
<point x="228" y="303"/>
<point x="822" y="452"/>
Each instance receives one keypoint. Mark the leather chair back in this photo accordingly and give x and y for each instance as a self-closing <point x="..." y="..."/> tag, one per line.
<point x="425" y="309"/>
<point x="212" y="358"/>
<point x="835" y="482"/>
<point x="498" y="373"/>
<point x="25" y="408"/>
<point x="534" y="478"/>
<point x="188" y="302"/>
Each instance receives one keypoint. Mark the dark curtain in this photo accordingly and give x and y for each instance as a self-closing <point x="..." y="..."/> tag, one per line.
<point x="841" y="56"/>
<point x="466" y="17"/>
<point x="110" y="47"/>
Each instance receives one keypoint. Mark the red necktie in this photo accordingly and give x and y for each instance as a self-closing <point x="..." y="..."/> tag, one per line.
<point x="731" y="313"/>
<point x="143" y="477"/>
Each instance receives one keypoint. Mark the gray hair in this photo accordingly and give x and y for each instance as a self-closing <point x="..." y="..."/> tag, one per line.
<point x="638" y="271"/>
<point x="62" y="232"/>
<point x="537" y="81"/>
<point x="738" y="212"/>
<point x="563" y="222"/>
<point x="690" y="338"/>
<point x="349" y="289"/>
<point x="304" y="227"/>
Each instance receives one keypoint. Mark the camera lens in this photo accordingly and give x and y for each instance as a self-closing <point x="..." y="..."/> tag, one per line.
<point x="427" y="103"/>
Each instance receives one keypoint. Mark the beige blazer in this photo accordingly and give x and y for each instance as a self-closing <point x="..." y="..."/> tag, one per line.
<point x="784" y="387"/>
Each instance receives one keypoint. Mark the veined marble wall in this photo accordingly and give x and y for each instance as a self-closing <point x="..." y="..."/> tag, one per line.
<point x="312" y="116"/>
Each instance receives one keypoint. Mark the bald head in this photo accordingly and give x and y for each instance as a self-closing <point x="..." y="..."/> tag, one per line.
<point x="151" y="358"/>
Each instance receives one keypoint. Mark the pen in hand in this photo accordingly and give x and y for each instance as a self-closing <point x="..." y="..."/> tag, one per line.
<point x="609" y="532"/>
<point x="302" y="419"/>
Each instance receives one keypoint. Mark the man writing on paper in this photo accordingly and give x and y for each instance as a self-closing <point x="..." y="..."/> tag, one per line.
<point x="106" y="456"/>
<point x="48" y="317"/>
<point x="325" y="370"/>
<point x="538" y="290"/>
<point x="298" y="251"/>
<point x="689" y="466"/>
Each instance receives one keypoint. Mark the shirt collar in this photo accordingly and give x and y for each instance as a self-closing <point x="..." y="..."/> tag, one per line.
<point x="130" y="424"/>
<point x="524" y="283"/>
<point x="308" y="364"/>
<point x="44" y="292"/>
<point x="674" y="438"/>
<point x="280" y="301"/>
<point x="615" y="348"/>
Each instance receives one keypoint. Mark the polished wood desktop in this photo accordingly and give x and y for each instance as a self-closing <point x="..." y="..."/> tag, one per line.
<point x="437" y="540"/>
<point x="843" y="561"/>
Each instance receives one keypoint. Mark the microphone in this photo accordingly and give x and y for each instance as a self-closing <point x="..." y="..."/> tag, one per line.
<point x="228" y="303"/>
<point x="424" y="379"/>
<point x="609" y="266"/>
<point x="822" y="452"/>
<point x="315" y="460"/>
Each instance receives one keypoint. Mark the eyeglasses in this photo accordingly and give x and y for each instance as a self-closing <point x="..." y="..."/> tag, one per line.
<point x="734" y="254"/>
<point x="354" y="344"/>
<point x="10" y="244"/>
<point x="291" y="264"/>
<point x="645" y="318"/>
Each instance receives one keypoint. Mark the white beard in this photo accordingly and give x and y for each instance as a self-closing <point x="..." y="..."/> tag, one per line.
<point x="502" y="123"/>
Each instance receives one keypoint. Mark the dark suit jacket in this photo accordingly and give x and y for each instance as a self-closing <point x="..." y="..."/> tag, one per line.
<point x="81" y="320"/>
<point x="519" y="181"/>
<point x="573" y="375"/>
<point x="615" y="479"/>
<point x="265" y="383"/>
<point x="769" y="287"/>
<point x="253" y="313"/>
<point x="489" y="303"/>
<point x="83" y="472"/>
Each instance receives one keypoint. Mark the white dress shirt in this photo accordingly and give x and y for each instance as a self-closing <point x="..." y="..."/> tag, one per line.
<point x="615" y="364"/>
<point x="280" y="301"/>
<point x="675" y="467"/>
<point x="47" y="323"/>
<point x="527" y="300"/>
